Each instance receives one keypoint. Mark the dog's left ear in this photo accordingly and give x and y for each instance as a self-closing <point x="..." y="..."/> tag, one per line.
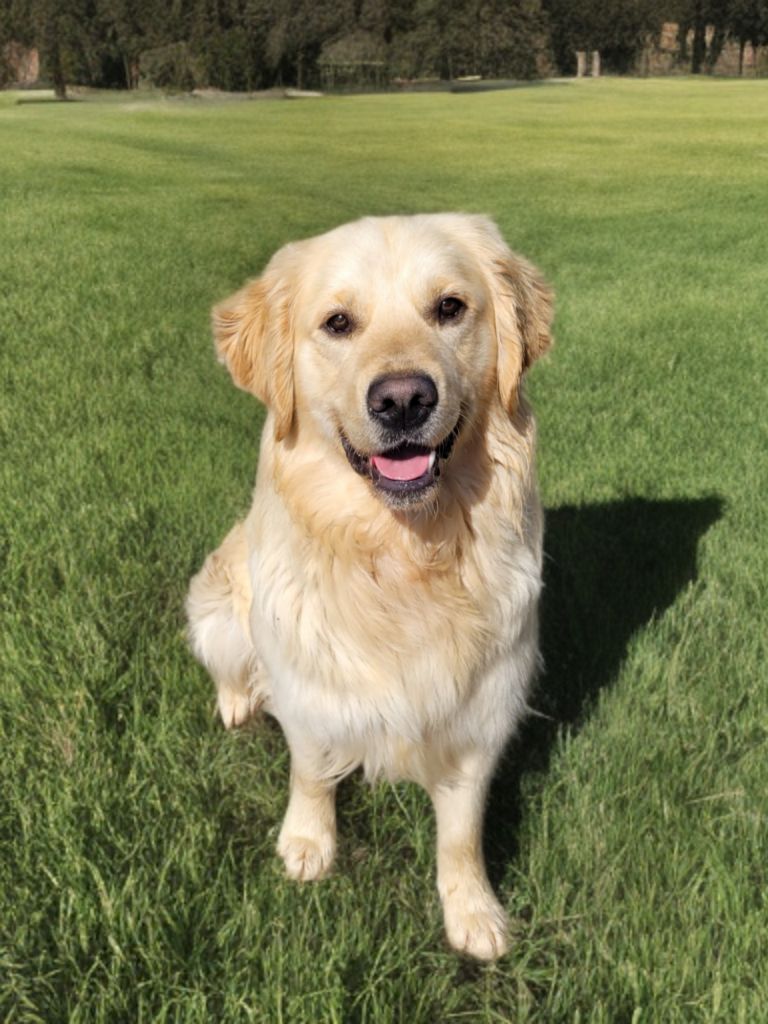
<point x="253" y="331"/>
<point x="523" y="310"/>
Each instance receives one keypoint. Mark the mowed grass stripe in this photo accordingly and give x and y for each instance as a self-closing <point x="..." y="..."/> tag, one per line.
<point x="626" y="831"/>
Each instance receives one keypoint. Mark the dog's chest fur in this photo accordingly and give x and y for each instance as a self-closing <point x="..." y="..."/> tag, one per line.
<point x="377" y="640"/>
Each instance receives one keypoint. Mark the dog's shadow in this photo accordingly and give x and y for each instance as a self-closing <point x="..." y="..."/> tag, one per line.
<point x="609" y="570"/>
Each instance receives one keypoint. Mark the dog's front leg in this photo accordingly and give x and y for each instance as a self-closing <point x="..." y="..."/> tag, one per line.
<point x="307" y="841"/>
<point x="474" y="919"/>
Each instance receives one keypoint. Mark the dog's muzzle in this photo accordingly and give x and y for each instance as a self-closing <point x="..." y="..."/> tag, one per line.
<point x="405" y="471"/>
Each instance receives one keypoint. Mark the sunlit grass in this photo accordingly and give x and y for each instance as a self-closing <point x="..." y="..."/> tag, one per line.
<point x="627" y="831"/>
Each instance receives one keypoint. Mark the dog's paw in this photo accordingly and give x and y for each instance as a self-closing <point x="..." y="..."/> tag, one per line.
<point x="235" y="706"/>
<point x="307" y="860"/>
<point x="475" y="923"/>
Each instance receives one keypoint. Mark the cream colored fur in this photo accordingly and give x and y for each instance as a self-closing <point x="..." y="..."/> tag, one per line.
<point x="399" y="640"/>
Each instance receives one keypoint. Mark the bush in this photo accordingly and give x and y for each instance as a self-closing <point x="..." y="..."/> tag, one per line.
<point x="170" y="67"/>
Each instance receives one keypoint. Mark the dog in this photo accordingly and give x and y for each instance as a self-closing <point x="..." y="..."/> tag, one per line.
<point x="380" y="598"/>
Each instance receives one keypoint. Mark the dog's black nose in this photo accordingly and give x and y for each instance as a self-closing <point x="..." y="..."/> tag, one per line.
<point x="402" y="402"/>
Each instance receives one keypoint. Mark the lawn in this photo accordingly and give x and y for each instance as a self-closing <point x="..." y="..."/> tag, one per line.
<point x="628" y="827"/>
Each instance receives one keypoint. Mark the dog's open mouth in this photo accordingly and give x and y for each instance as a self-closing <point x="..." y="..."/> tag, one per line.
<point x="406" y="469"/>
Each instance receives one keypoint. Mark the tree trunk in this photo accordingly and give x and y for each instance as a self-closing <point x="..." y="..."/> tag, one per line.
<point x="715" y="48"/>
<point x="57" y="74"/>
<point x="742" y="46"/>
<point x="699" y="48"/>
<point x="131" y="72"/>
<point x="581" y="63"/>
<point x="595" y="63"/>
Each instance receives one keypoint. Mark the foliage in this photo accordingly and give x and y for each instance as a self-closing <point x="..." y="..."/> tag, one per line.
<point x="67" y="36"/>
<point x="452" y="38"/>
<point x="617" y="28"/>
<point x="248" y="44"/>
<point x="711" y="22"/>
<point x="253" y="44"/>
<point x="748" y="22"/>
<point x="170" y="67"/>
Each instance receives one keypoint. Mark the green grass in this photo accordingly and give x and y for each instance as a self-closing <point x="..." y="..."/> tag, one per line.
<point x="628" y="831"/>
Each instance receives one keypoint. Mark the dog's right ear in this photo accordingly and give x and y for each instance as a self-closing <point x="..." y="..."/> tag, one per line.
<point x="522" y="306"/>
<point x="254" y="335"/>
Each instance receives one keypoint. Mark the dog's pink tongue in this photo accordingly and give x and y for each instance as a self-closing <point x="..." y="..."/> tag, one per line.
<point x="401" y="469"/>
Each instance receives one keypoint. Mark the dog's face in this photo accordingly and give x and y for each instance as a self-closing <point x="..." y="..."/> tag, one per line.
<point x="387" y="338"/>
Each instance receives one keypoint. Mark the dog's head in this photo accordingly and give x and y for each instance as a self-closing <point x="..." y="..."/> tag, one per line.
<point x="387" y="338"/>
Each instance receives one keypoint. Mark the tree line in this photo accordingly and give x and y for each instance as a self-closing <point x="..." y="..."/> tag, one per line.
<point x="256" y="44"/>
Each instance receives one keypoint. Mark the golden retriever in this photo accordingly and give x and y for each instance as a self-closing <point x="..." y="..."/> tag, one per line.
<point x="380" y="599"/>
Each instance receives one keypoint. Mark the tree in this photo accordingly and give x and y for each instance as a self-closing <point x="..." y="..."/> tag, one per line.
<point x="708" y="21"/>
<point x="387" y="18"/>
<point x="509" y="35"/>
<point x="298" y="33"/>
<point x="6" y="40"/>
<point x="453" y="38"/>
<point x="617" y="28"/>
<point x="748" y="23"/>
<point x="59" y="28"/>
<point x="125" y="25"/>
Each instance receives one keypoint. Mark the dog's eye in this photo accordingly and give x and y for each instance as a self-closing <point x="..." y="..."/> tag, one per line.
<point x="449" y="308"/>
<point x="339" y="323"/>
